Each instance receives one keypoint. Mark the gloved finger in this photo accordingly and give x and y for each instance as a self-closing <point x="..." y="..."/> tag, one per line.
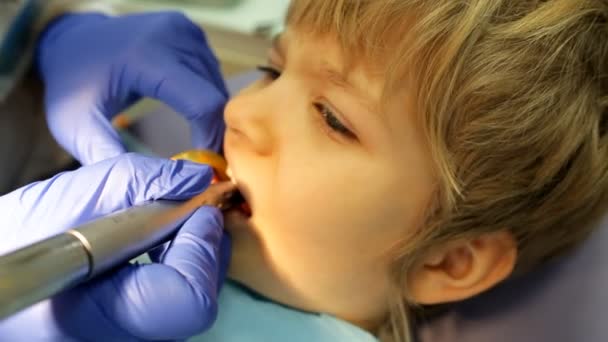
<point x="73" y="197"/>
<point x="213" y="65"/>
<point x="63" y="318"/>
<point x="157" y="178"/>
<point x="208" y="135"/>
<point x="183" y="89"/>
<point x="86" y="310"/>
<point x="157" y="253"/>
<point x="199" y="101"/>
<point x="134" y="303"/>
<point x="206" y="131"/>
<point x="133" y="179"/>
<point x="82" y="130"/>
<point x="195" y="44"/>
<point x="225" y="254"/>
<point x="199" y="48"/>
<point x="195" y="251"/>
<point x="176" y="299"/>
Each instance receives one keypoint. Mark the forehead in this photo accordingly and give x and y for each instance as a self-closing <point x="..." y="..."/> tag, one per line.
<point x="350" y="56"/>
<point x="322" y="56"/>
<point x="376" y="35"/>
<point x="364" y="29"/>
<point x="383" y="55"/>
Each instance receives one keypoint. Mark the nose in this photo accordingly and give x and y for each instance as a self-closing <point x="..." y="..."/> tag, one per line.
<point x="248" y="121"/>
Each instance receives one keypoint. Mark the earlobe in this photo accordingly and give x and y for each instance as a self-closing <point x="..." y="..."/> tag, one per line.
<point x="462" y="269"/>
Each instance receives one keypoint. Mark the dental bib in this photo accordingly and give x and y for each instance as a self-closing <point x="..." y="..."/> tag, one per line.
<point x="245" y="317"/>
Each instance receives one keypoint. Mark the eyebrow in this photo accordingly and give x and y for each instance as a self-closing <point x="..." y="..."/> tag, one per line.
<point x="335" y="77"/>
<point x="277" y="44"/>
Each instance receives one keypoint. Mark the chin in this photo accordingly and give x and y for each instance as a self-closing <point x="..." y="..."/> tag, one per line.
<point x="236" y="221"/>
<point x="247" y="264"/>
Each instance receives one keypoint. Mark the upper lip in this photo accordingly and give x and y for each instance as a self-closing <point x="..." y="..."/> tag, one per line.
<point x="242" y="189"/>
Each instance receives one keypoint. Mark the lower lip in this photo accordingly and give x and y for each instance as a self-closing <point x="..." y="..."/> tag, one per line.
<point x="235" y="219"/>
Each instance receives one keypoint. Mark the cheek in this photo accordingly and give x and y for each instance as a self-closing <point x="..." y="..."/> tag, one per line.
<point x="334" y="210"/>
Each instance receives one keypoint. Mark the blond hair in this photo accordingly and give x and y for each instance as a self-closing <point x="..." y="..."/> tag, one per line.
<point x="513" y="98"/>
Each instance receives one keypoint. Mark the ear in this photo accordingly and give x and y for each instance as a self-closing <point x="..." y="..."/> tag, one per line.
<point x="463" y="268"/>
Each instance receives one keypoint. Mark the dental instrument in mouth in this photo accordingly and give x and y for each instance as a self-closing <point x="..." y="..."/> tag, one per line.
<point x="46" y="268"/>
<point x="222" y="172"/>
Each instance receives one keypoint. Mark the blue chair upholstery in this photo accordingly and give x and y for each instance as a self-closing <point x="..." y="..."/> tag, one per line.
<point x="564" y="301"/>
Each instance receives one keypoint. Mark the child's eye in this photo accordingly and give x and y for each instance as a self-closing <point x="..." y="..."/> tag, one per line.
<point x="333" y="122"/>
<point x="272" y="72"/>
<point x="328" y="116"/>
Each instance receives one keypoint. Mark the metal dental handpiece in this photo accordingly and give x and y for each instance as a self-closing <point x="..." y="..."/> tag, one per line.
<point x="46" y="268"/>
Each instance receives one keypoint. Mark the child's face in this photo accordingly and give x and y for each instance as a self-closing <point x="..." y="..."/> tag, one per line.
<point x="333" y="183"/>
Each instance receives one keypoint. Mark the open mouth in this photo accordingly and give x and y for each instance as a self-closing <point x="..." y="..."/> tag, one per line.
<point x="221" y="173"/>
<point x="238" y="202"/>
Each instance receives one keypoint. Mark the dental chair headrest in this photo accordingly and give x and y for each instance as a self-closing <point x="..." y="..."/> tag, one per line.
<point x="564" y="301"/>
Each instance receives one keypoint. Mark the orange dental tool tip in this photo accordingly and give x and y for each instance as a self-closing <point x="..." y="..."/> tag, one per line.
<point x="121" y="121"/>
<point x="217" y="162"/>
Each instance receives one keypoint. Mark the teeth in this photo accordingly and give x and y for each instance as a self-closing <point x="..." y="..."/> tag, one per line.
<point x="229" y="174"/>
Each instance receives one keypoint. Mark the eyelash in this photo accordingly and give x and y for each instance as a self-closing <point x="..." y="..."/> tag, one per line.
<point x="269" y="71"/>
<point x="326" y="113"/>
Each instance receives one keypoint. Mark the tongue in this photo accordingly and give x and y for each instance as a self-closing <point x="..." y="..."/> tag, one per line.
<point x="244" y="207"/>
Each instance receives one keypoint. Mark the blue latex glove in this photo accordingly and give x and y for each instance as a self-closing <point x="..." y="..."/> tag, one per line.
<point x="95" y="66"/>
<point x="173" y="298"/>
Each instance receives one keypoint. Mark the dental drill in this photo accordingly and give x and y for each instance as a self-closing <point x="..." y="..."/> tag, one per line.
<point x="46" y="268"/>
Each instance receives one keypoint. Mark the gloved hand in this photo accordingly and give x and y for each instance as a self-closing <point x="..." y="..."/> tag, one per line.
<point x="173" y="298"/>
<point x="95" y="66"/>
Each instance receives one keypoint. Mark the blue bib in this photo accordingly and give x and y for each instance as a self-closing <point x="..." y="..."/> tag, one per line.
<point x="244" y="317"/>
